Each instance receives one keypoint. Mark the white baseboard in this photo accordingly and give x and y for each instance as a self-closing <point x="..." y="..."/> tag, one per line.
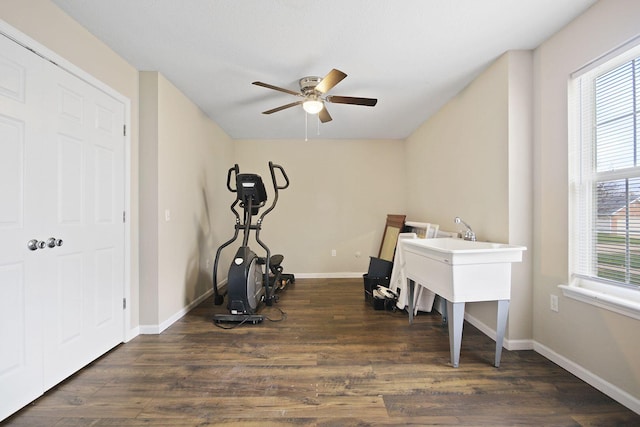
<point x="131" y="334"/>
<point x="328" y="275"/>
<point x="515" y="345"/>
<point x="617" y="394"/>
<point x="157" y="329"/>
<point x="491" y="333"/>
<point x="590" y="378"/>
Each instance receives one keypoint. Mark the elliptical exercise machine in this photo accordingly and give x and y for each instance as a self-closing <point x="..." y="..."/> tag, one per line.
<point x="249" y="283"/>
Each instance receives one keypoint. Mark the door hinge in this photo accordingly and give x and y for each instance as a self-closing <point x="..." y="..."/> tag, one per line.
<point x="124" y="303"/>
<point x="124" y="216"/>
<point x="124" y="130"/>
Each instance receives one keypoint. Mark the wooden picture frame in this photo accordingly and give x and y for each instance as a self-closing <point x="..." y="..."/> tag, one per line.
<point x="392" y="228"/>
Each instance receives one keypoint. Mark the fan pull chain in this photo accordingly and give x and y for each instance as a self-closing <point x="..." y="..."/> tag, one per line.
<point x="306" y="126"/>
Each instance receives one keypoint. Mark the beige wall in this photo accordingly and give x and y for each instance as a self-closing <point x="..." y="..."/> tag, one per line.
<point x="520" y="106"/>
<point x="149" y="190"/>
<point x="340" y="194"/>
<point x="471" y="159"/>
<point x="457" y="161"/>
<point x="598" y="340"/>
<point x="183" y="156"/>
<point x="48" y="25"/>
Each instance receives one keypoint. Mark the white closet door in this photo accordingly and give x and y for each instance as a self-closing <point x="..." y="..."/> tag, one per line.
<point x="61" y="183"/>
<point x="84" y="298"/>
<point x="21" y="279"/>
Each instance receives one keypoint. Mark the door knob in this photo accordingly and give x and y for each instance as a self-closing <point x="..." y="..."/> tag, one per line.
<point x="52" y="242"/>
<point x="35" y="244"/>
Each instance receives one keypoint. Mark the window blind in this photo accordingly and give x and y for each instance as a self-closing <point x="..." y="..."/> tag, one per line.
<point x="605" y="174"/>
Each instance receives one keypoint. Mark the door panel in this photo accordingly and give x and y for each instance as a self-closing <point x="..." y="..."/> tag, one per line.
<point x="21" y="280"/>
<point x="70" y="301"/>
<point x="90" y="200"/>
<point x="103" y="169"/>
<point x="68" y="163"/>
<point x="61" y="177"/>
<point x="12" y="75"/>
<point x="105" y="284"/>
<point x="12" y="153"/>
<point x="12" y="306"/>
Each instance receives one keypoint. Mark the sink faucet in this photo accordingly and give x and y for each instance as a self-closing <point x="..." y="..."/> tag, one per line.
<point x="468" y="234"/>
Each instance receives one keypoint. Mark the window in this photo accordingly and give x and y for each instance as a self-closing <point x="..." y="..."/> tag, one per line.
<point x="604" y="182"/>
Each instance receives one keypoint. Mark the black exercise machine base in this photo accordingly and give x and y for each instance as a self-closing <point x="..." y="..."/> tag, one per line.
<point x="238" y="318"/>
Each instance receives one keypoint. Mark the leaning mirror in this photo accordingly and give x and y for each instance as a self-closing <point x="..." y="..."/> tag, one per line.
<point x="392" y="228"/>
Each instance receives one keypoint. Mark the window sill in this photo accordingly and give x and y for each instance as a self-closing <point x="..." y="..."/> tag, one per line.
<point x="619" y="300"/>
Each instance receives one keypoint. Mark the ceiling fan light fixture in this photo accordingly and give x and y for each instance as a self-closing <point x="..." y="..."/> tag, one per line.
<point x="313" y="91"/>
<point x="312" y="106"/>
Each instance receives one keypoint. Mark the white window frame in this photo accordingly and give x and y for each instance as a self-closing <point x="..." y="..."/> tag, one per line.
<point x="599" y="293"/>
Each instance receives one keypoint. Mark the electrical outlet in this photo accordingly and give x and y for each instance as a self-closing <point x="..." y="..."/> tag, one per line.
<point x="554" y="303"/>
<point x="334" y="252"/>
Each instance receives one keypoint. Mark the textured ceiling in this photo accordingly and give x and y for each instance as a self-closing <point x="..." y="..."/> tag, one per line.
<point x="413" y="55"/>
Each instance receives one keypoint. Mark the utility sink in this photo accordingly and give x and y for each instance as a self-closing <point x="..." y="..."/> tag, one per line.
<point x="461" y="271"/>
<point x="458" y="251"/>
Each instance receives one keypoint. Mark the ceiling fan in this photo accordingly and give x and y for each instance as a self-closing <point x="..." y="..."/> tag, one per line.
<point x="313" y="90"/>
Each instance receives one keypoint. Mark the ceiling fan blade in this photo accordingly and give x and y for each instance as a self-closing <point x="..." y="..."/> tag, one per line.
<point x="282" y="107"/>
<point x="281" y="89"/>
<point x="324" y="115"/>
<point x="369" y="102"/>
<point x="330" y="80"/>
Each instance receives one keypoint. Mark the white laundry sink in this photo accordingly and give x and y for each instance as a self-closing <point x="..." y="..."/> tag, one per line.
<point x="462" y="271"/>
<point x="458" y="251"/>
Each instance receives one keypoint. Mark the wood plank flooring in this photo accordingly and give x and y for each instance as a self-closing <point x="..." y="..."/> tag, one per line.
<point x="334" y="361"/>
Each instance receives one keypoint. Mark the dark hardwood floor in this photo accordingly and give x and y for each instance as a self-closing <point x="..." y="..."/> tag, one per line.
<point x="333" y="361"/>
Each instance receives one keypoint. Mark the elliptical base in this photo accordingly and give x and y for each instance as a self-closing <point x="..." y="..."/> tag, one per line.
<point x="238" y="318"/>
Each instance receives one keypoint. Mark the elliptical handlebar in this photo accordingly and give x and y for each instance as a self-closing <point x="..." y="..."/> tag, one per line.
<point x="276" y="187"/>
<point x="272" y="168"/>
<point x="235" y="169"/>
